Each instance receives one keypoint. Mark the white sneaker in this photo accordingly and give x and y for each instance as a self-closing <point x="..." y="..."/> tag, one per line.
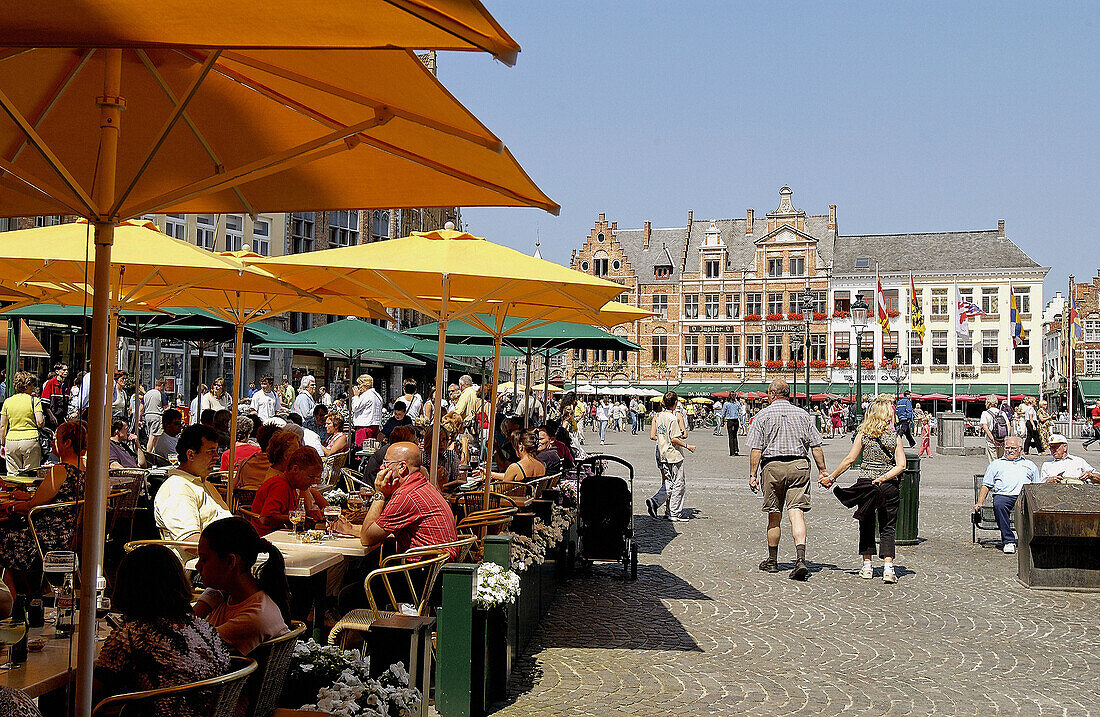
<point x="1010" y="548"/>
<point x="867" y="572"/>
<point x="888" y="574"/>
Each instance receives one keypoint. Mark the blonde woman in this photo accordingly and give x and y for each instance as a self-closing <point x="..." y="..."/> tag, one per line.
<point x="20" y="419"/>
<point x="1045" y="419"/>
<point x="876" y="489"/>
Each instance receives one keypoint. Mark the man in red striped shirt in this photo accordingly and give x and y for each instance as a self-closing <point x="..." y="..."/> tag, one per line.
<point x="405" y="505"/>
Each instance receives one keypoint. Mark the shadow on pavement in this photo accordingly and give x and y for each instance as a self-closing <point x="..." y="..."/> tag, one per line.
<point x="652" y="536"/>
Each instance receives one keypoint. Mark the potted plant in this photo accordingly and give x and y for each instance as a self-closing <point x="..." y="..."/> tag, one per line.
<point x="794" y="316"/>
<point x="818" y="363"/>
<point x="752" y="317"/>
<point x="773" y="364"/>
<point x="820" y="316"/>
<point x="775" y="317"/>
<point x="841" y="314"/>
<point x="752" y="364"/>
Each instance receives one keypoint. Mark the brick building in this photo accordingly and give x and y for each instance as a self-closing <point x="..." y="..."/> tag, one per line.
<point x="1086" y="356"/>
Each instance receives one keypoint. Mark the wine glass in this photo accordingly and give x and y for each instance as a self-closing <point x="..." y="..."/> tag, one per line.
<point x="102" y="607"/>
<point x="298" y="520"/>
<point x="332" y="514"/>
<point x="56" y="564"/>
<point x="11" y="632"/>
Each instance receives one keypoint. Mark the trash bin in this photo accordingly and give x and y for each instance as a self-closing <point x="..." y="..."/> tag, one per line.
<point x="909" y="488"/>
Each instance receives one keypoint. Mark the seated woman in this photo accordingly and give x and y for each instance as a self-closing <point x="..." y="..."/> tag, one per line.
<point x="527" y="466"/>
<point x="338" y="440"/>
<point x="280" y="493"/>
<point x="244" y="447"/>
<point x="245" y="608"/>
<point x="65" y="483"/>
<point x="460" y="439"/>
<point x="161" y="642"/>
<point x="260" y="466"/>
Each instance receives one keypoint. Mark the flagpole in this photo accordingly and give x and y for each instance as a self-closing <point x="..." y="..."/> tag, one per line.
<point x="955" y="341"/>
<point x="1013" y="309"/>
<point x="875" y="358"/>
<point x="1070" y="336"/>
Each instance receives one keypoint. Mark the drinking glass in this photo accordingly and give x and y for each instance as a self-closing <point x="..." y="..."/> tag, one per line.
<point x="102" y="607"/>
<point x="56" y="564"/>
<point x="11" y="632"/>
<point x="298" y="520"/>
<point x="332" y="514"/>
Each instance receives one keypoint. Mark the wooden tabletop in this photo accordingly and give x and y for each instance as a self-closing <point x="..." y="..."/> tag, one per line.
<point x="302" y="562"/>
<point x="49" y="669"/>
<point x="349" y="547"/>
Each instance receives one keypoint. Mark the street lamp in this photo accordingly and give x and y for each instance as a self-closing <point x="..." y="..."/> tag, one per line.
<point x="859" y="322"/>
<point x="807" y="316"/>
<point x="901" y="372"/>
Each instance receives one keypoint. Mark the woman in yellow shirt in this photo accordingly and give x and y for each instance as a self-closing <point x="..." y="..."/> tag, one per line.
<point x="20" y="419"/>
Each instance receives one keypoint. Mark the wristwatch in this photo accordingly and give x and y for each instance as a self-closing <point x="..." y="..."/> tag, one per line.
<point x="378" y="495"/>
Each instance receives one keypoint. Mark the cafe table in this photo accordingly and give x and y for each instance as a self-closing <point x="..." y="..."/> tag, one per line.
<point x="349" y="547"/>
<point x="48" y="671"/>
<point x="310" y="567"/>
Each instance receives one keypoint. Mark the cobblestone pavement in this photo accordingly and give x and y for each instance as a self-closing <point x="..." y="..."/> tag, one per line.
<point x="703" y="631"/>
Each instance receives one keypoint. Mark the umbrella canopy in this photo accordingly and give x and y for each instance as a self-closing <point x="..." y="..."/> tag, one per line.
<point x="585" y="390"/>
<point x="554" y="336"/>
<point x="347" y="338"/>
<point x="436" y="24"/>
<point x="935" y="397"/>
<point x="701" y="400"/>
<point x="966" y="398"/>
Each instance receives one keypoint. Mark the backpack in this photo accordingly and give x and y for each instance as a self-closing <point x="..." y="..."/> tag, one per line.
<point x="1000" y="425"/>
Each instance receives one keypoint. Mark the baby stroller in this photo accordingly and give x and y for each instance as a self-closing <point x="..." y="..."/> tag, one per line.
<point x="606" y="513"/>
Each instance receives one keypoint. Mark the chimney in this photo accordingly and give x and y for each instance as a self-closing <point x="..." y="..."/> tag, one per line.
<point x="1000" y="227"/>
<point x="601" y="219"/>
<point x="614" y="226"/>
<point x="689" y="219"/>
<point x="832" y="217"/>
<point x="647" y="229"/>
<point x="751" y="219"/>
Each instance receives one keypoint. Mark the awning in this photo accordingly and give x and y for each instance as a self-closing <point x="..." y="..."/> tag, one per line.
<point x="28" y="344"/>
<point x="1090" y="388"/>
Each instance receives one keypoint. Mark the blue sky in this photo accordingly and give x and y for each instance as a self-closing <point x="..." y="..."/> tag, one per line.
<point x="933" y="116"/>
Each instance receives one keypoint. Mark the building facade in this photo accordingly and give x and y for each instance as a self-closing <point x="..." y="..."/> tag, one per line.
<point x="739" y="302"/>
<point x="1086" y="353"/>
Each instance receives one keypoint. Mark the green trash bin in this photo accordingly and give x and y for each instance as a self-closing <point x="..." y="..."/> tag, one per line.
<point x="909" y="488"/>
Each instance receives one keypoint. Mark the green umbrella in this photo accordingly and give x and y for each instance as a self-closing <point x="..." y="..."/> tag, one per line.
<point x="555" y="336"/>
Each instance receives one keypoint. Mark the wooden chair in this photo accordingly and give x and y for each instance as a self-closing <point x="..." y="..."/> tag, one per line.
<point x="400" y="565"/>
<point x="332" y="468"/>
<point x="273" y="656"/>
<point x="224" y="690"/>
<point x="474" y="502"/>
<point x="131" y="483"/>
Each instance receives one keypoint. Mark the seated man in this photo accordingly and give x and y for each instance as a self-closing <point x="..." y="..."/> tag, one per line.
<point x="186" y="502"/>
<point x="400" y="417"/>
<point x="124" y="450"/>
<point x="1064" y="468"/>
<point x="164" y="443"/>
<point x="405" y="505"/>
<point x="280" y="494"/>
<point x="1006" y="477"/>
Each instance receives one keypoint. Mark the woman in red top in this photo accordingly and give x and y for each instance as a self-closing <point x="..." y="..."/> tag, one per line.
<point x="281" y="493"/>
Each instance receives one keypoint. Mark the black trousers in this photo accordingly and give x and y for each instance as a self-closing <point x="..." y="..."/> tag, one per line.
<point x="887" y="514"/>
<point x="731" y="429"/>
<point x="1032" y="438"/>
<point x="905" y="428"/>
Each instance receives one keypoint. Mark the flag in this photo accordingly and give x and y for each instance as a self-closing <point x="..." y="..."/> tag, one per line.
<point x="1075" y="330"/>
<point x="880" y="305"/>
<point x="964" y="311"/>
<point x="916" y="315"/>
<point x="1019" y="336"/>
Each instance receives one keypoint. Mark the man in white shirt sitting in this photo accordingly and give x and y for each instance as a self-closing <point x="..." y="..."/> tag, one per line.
<point x="1064" y="468"/>
<point x="164" y="443"/>
<point x="1005" y="478"/>
<point x="186" y="503"/>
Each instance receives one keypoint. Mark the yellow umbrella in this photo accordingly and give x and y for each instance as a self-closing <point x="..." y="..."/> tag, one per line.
<point x="437" y="24"/>
<point x="701" y="400"/>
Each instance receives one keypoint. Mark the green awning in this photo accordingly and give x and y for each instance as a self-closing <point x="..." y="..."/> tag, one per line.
<point x="1090" y="388"/>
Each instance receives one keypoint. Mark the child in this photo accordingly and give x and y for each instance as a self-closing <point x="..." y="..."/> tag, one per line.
<point x="925" y="438"/>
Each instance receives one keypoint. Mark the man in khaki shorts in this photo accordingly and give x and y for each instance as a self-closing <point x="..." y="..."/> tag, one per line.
<point x="780" y="439"/>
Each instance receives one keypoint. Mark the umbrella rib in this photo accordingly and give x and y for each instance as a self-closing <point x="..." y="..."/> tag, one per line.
<point x="490" y="142"/>
<point x="180" y="106"/>
<point x="59" y="89"/>
<point x="39" y="186"/>
<point x="301" y="154"/>
<point x="55" y="163"/>
<point x="459" y="29"/>
<point x="416" y="303"/>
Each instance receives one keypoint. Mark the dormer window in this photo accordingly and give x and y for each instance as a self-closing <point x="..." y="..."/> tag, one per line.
<point x="662" y="272"/>
<point x="863" y="262"/>
<point x="712" y="268"/>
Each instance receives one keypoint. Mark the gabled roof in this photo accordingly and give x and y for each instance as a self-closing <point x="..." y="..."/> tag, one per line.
<point x="741" y="248"/>
<point x="929" y="252"/>
<point x="665" y="245"/>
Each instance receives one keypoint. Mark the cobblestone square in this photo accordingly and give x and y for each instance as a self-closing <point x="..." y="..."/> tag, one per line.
<point x="704" y="632"/>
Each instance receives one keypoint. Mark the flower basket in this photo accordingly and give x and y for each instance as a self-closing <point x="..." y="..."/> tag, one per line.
<point x="795" y="364"/>
<point x="794" y="316"/>
<point x="752" y="317"/>
<point x="841" y="314"/>
<point x="893" y="313"/>
<point x="752" y="364"/>
<point x="842" y="364"/>
<point x="818" y="363"/>
<point x="888" y="364"/>
<point x="775" y="317"/>
<point x="867" y="363"/>
<point x="820" y="316"/>
<point x="334" y="681"/>
<point x="773" y="364"/>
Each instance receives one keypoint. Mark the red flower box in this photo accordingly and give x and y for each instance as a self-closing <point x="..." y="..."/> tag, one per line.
<point x="867" y="363"/>
<point x="773" y="364"/>
<point x="752" y="364"/>
<point x="752" y="317"/>
<point x="841" y="314"/>
<point x="820" y="316"/>
<point x="841" y="364"/>
<point x="775" y="317"/>
<point x="795" y="364"/>
<point x="794" y="317"/>
<point x="818" y="363"/>
<point x="887" y="363"/>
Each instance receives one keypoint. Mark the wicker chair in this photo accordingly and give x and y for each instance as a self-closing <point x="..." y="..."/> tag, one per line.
<point x="463" y="544"/>
<point x="266" y="687"/>
<point x="429" y="563"/>
<point x="73" y="540"/>
<point x="131" y="483"/>
<point x="353" y="481"/>
<point x="521" y="493"/>
<point x="474" y="502"/>
<point x="332" y="469"/>
<point x="242" y="501"/>
<point x="485" y="522"/>
<point x="226" y="691"/>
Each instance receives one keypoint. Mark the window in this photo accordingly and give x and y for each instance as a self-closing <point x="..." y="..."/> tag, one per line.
<point x="798" y="266"/>
<point x="691" y="351"/>
<point x="379" y="225"/>
<point x="775" y="303"/>
<point x="301" y="232"/>
<point x="965" y="353"/>
<point x="343" y="228"/>
<point x="989" y="300"/>
<point x="841" y="339"/>
<point x="939" y="304"/>
<point x="1023" y="355"/>
<point x="712" y="268"/>
<point x="842" y="301"/>
<point x="662" y="272"/>
<point x="1092" y="362"/>
<point x="261" y="237"/>
<point x="204" y="231"/>
<point x="733" y="350"/>
<point x="711" y="306"/>
<point x="623" y="298"/>
<point x="753" y="344"/>
<point x="775" y="347"/>
<point x="48" y="220"/>
<point x="775" y="267"/>
<point x="753" y="304"/>
<point x="1023" y="300"/>
<point x="710" y="349"/>
<point x="890" y="345"/>
<point x="868" y="350"/>
<point x="175" y="225"/>
<point x="660" y="306"/>
<point x="733" y="306"/>
<point x="916" y="350"/>
<point x="939" y="345"/>
<point x="234" y="232"/>
<point x="691" y="306"/>
<point x="863" y="262"/>
<point x="1092" y="330"/>
<point x="891" y="297"/>
<point x="300" y="321"/>
<point x="599" y="266"/>
<point x="599" y="237"/>
<point x="819" y="345"/>
<point x="966" y="295"/>
<point x="989" y="348"/>
<point x="616" y="265"/>
<point x="820" y="298"/>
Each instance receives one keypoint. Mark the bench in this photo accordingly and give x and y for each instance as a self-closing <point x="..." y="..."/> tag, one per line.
<point x="1059" y="546"/>
<point x="985" y="519"/>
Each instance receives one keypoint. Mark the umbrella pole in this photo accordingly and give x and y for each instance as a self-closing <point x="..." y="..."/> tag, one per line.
<point x="526" y="389"/>
<point x="238" y="343"/>
<point x="546" y="383"/>
<point x="492" y="383"/>
<point x="95" y="494"/>
<point x="439" y="358"/>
